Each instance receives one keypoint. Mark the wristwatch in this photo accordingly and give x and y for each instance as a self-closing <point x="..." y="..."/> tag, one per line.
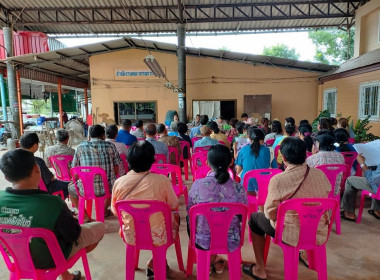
<point x="362" y="165"/>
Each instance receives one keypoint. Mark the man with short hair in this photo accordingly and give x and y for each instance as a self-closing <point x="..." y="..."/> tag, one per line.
<point x="196" y="130"/>
<point x="99" y="153"/>
<point x="124" y="136"/>
<point x="170" y="141"/>
<point x="37" y="209"/>
<point x="150" y="131"/>
<point x="206" y="139"/>
<point x="139" y="133"/>
<point x="61" y="148"/>
<point x="111" y="133"/>
<point x="30" y="143"/>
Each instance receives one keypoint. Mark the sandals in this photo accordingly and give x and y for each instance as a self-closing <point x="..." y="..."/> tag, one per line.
<point x="77" y="275"/>
<point x="343" y="217"/>
<point x="372" y="212"/>
<point x="247" y="269"/>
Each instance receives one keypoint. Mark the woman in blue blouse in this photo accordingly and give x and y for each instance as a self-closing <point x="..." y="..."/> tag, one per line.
<point x="253" y="156"/>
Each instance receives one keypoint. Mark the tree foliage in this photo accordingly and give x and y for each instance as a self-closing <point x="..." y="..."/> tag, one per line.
<point x="281" y="50"/>
<point x="334" y="46"/>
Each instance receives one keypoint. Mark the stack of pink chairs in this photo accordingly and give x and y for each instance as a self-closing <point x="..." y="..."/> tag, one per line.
<point x="141" y="211"/>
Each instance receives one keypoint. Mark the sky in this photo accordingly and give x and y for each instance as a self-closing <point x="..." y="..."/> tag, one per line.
<point x="248" y="43"/>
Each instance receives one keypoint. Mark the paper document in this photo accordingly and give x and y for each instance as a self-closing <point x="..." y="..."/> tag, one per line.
<point x="371" y="152"/>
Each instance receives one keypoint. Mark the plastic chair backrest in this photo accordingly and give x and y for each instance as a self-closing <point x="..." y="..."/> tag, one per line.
<point x="141" y="220"/>
<point x="262" y="177"/>
<point x="219" y="223"/>
<point x="185" y="145"/>
<point x="140" y="139"/>
<point x="198" y="159"/>
<point x="42" y="186"/>
<point x="173" y="150"/>
<point x="169" y="169"/>
<point x="160" y="158"/>
<point x="203" y="171"/>
<point x="123" y="158"/>
<point x="269" y="142"/>
<point x="332" y="171"/>
<point x="349" y="159"/>
<point x="195" y="139"/>
<point x="310" y="211"/>
<point x="87" y="175"/>
<point x="230" y="139"/>
<point x="222" y="142"/>
<point x="308" y="154"/>
<point x="17" y="240"/>
<point x="62" y="165"/>
<point x="351" y="140"/>
<point x="202" y="149"/>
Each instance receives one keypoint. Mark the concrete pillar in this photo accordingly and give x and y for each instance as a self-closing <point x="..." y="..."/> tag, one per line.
<point x="3" y="101"/>
<point x="181" y="56"/>
<point x="11" y="74"/>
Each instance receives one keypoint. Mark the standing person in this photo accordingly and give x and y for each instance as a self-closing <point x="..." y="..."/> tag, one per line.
<point x="369" y="182"/>
<point x="150" y="131"/>
<point x="62" y="136"/>
<point x="139" y="132"/>
<point x="111" y="133"/>
<point x="217" y="135"/>
<point x="196" y="131"/>
<point x="41" y="210"/>
<point x="206" y="139"/>
<point x="124" y="136"/>
<point x="139" y="183"/>
<point x="30" y="143"/>
<point x="297" y="181"/>
<point x="170" y="141"/>
<point x="253" y="156"/>
<point x="217" y="187"/>
<point x="99" y="153"/>
<point x="64" y="118"/>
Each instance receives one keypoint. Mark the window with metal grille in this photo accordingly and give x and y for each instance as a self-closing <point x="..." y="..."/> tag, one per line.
<point x="369" y="101"/>
<point x="329" y="101"/>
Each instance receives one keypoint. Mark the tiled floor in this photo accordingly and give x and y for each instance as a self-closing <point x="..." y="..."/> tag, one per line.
<point x="353" y="255"/>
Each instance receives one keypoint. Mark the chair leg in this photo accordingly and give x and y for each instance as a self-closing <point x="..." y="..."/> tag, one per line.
<point x="159" y="263"/>
<point x="203" y="264"/>
<point x="137" y="257"/>
<point x="359" y="217"/>
<point x="311" y="259"/>
<point x="185" y="194"/>
<point x="130" y="262"/>
<point x="99" y="208"/>
<point x="234" y="265"/>
<point x="81" y="209"/>
<point x="85" y="265"/>
<point x="177" y="244"/>
<point x="337" y="222"/>
<point x="321" y="262"/>
<point x="89" y="208"/>
<point x="190" y="261"/>
<point x="290" y="263"/>
<point x="186" y="169"/>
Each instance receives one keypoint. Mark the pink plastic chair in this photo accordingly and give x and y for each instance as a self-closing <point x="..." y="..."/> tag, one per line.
<point x="202" y="149"/>
<point x="308" y="154"/>
<point x="133" y="128"/>
<point x="43" y="187"/>
<point x="276" y="151"/>
<point x="144" y="237"/>
<point x="176" y="176"/>
<point x="349" y="159"/>
<point x="123" y="158"/>
<point x="219" y="223"/>
<point x="351" y="140"/>
<point x="332" y="171"/>
<point x="173" y="150"/>
<point x="140" y="139"/>
<point x="230" y="139"/>
<point x="87" y="175"/>
<point x="185" y="161"/>
<point x="364" y="194"/>
<point x="160" y="158"/>
<point x="269" y="142"/>
<point x="310" y="211"/>
<point x="193" y="140"/>
<point x="62" y="165"/>
<point x="20" y="264"/>
<point x="198" y="160"/>
<point x="203" y="171"/>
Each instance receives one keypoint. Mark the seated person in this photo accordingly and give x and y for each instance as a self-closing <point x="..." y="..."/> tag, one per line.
<point x="246" y="119"/>
<point x="206" y="139"/>
<point x="304" y="133"/>
<point x="174" y="129"/>
<point x="111" y="133"/>
<point x="139" y="183"/>
<point x="61" y="148"/>
<point x="196" y="121"/>
<point x="30" y="143"/>
<point x="276" y="131"/>
<point x="232" y="132"/>
<point x="170" y="141"/>
<point x="265" y="126"/>
<point x="173" y="124"/>
<point x="150" y="131"/>
<point x="195" y="131"/>
<point x="369" y="182"/>
<point x="42" y="210"/>
<point x="241" y="140"/>
<point x="182" y="129"/>
<point x="124" y="136"/>
<point x="217" y="134"/>
<point x="139" y="132"/>
<point x="297" y="181"/>
<point x="217" y="187"/>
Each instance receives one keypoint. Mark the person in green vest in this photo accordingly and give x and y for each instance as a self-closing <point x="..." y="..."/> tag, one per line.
<point x="25" y="205"/>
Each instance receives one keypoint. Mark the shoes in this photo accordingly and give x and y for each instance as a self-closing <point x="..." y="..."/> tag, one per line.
<point x="372" y="212"/>
<point x="247" y="269"/>
<point x="77" y="275"/>
<point x="343" y="217"/>
<point x="149" y="272"/>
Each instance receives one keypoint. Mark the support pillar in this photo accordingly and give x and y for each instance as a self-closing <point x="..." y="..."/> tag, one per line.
<point x="11" y="75"/>
<point x="60" y="101"/>
<point x="19" y="101"/>
<point x="3" y="101"/>
<point x="181" y="56"/>
<point x="86" y="102"/>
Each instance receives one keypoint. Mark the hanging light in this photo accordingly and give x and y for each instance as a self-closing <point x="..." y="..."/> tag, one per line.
<point x="154" y="66"/>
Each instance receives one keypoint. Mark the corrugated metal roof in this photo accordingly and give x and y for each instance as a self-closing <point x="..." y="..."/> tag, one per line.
<point x="365" y="60"/>
<point x="72" y="63"/>
<point x="121" y="16"/>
